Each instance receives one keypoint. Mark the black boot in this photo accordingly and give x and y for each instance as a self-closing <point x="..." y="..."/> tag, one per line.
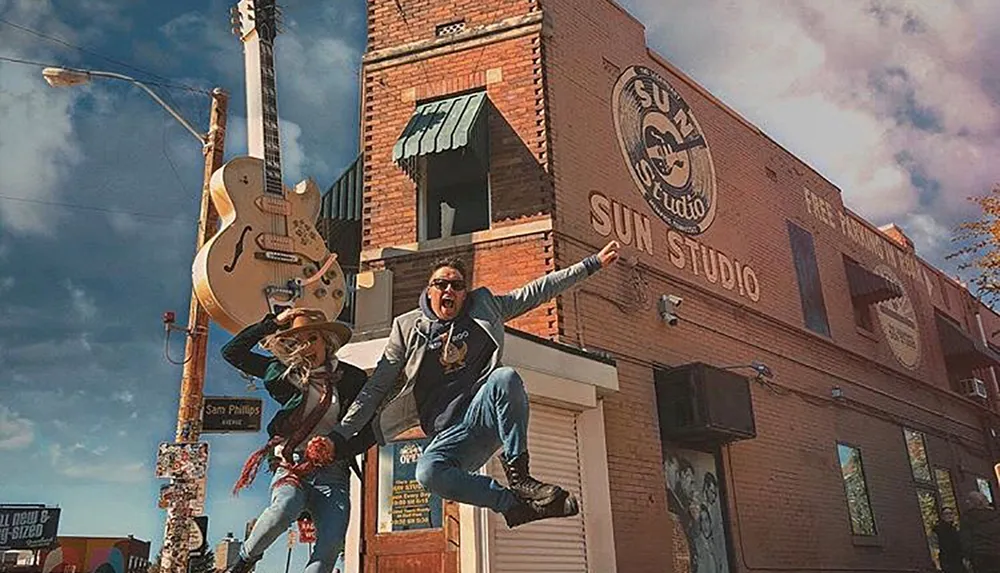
<point x="564" y="505"/>
<point x="243" y="566"/>
<point x="526" y="487"/>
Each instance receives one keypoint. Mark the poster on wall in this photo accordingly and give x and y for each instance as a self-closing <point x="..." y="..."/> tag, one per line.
<point x="696" y="508"/>
<point x="404" y="504"/>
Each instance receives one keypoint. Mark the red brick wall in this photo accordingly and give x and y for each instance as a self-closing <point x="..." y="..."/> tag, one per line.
<point x="786" y="504"/>
<point x="519" y="186"/>
<point x="390" y="27"/>
<point x="489" y="265"/>
<point x="791" y="506"/>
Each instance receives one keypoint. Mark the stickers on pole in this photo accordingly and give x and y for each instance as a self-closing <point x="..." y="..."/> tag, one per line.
<point x="182" y="461"/>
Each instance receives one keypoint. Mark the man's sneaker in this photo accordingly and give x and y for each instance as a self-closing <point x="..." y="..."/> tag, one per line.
<point x="564" y="505"/>
<point x="529" y="489"/>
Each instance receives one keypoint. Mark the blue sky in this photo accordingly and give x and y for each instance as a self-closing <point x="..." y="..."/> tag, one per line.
<point x="896" y="102"/>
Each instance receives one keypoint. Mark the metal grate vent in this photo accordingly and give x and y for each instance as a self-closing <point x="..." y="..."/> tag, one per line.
<point x="450" y="28"/>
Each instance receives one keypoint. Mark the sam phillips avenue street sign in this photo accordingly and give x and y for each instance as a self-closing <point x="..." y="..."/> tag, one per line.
<point x="223" y="414"/>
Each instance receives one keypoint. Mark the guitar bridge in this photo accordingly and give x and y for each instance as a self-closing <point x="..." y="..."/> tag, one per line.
<point x="277" y="257"/>
<point x="282" y="294"/>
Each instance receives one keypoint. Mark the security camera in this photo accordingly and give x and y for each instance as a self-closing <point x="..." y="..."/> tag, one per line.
<point x="668" y="308"/>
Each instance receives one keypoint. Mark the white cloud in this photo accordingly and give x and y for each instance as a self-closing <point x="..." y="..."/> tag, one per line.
<point x="868" y="92"/>
<point x="6" y="284"/>
<point x="78" y="462"/>
<point x="38" y="145"/>
<point x="124" y="396"/>
<point x="111" y="472"/>
<point x="82" y="304"/>
<point x="15" y="432"/>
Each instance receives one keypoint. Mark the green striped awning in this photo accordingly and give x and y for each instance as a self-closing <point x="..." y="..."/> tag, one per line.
<point x="343" y="199"/>
<point x="457" y="122"/>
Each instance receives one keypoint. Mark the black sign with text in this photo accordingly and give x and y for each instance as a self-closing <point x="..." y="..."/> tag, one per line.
<point x="222" y="415"/>
<point x="26" y="527"/>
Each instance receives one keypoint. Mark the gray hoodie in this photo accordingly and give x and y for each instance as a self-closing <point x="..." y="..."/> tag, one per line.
<point x="397" y="369"/>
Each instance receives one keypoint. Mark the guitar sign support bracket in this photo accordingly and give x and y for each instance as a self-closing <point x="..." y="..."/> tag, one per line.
<point x="170" y="325"/>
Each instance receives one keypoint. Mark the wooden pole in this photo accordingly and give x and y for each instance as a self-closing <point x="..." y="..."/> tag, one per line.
<point x="179" y="514"/>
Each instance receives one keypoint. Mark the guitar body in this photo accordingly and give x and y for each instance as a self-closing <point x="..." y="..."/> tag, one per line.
<point x="268" y="254"/>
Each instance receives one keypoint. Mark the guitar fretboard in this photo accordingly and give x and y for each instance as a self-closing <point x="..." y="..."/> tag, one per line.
<point x="272" y="144"/>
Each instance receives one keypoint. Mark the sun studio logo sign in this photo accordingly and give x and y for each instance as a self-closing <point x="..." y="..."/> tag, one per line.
<point x="665" y="150"/>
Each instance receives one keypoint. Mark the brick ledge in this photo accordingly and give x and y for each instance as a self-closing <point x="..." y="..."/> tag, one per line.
<point x="509" y="28"/>
<point x="488" y="236"/>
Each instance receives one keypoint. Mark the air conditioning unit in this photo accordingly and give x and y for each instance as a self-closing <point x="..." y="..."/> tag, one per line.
<point x="973" y="387"/>
<point x="701" y="404"/>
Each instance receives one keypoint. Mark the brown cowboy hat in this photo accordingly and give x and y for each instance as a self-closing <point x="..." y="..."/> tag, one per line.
<point x="314" y="319"/>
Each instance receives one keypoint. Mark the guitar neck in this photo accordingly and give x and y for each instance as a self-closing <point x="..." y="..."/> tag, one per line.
<point x="262" y="111"/>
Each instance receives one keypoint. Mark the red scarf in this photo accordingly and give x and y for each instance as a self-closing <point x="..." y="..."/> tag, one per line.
<point x="319" y="451"/>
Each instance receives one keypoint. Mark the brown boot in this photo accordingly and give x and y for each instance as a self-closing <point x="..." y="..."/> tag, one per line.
<point x="529" y="489"/>
<point x="564" y="505"/>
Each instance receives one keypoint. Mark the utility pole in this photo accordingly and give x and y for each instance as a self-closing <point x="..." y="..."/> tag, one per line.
<point x="179" y="510"/>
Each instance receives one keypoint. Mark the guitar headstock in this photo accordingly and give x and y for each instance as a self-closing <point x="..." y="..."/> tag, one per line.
<point x="249" y="16"/>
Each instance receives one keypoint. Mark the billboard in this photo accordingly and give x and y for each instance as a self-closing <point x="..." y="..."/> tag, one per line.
<point x="28" y="527"/>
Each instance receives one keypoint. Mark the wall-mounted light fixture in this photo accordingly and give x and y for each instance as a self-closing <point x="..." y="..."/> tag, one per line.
<point x="757" y="366"/>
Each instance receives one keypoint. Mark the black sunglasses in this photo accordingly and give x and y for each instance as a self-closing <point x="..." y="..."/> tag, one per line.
<point x="443" y="284"/>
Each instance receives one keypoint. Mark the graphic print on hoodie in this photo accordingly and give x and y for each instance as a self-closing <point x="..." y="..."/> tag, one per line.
<point x="457" y="353"/>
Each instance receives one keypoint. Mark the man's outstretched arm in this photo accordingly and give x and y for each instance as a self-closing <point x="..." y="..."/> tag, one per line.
<point x="543" y="289"/>
<point x="374" y="391"/>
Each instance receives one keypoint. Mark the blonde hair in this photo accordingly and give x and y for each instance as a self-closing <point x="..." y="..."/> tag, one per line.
<point x="297" y="366"/>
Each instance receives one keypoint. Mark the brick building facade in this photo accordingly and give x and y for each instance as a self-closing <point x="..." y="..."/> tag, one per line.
<point x="550" y="128"/>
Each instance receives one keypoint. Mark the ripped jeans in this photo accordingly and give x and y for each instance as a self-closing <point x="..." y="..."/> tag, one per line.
<point x="326" y="495"/>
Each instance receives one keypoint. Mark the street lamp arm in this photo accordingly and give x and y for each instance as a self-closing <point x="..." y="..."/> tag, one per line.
<point x="201" y="137"/>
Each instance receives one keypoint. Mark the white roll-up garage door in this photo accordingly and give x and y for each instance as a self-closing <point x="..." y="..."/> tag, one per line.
<point x="551" y="544"/>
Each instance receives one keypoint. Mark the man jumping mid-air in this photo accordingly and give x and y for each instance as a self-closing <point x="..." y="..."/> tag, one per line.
<point x="455" y="387"/>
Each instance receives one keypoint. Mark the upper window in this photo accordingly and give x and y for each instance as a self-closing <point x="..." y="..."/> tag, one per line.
<point x="862" y="310"/>
<point x="810" y="285"/>
<point x="454" y="194"/>
<point x="445" y="149"/>
<point x="856" y="488"/>
<point x="916" y="448"/>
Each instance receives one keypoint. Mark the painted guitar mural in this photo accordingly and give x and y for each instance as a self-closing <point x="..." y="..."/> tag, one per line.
<point x="268" y="254"/>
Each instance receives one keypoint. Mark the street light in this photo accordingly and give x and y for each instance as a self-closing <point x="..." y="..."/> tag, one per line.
<point x="67" y="77"/>
<point x="175" y="553"/>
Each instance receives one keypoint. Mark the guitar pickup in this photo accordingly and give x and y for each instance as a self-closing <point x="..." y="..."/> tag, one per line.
<point x="273" y="205"/>
<point x="277" y="257"/>
<point x="271" y="242"/>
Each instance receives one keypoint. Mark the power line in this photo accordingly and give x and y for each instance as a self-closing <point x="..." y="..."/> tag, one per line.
<point x="85" y="208"/>
<point x="170" y="160"/>
<point x="28" y="62"/>
<point x="147" y="82"/>
<point x="75" y="47"/>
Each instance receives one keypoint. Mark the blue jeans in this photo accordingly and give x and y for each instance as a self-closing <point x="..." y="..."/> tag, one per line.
<point x="497" y="417"/>
<point x="326" y="495"/>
